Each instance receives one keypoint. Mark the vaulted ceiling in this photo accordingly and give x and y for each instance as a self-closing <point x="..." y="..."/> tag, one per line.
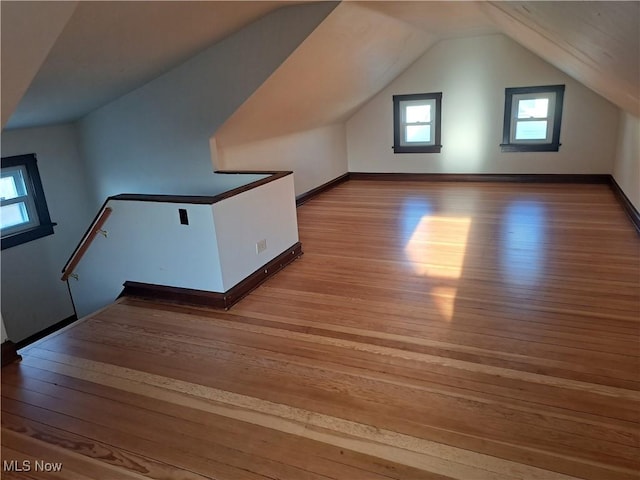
<point x="89" y="54"/>
<point x="109" y="48"/>
<point x="597" y="43"/>
<point x="362" y="46"/>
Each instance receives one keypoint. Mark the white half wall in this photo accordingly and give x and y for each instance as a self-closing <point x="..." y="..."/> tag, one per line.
<point x="33" y="297"/>
<point x="223" y="182"/>
<point x="626" y="169"/>
<point x="146" y="243"/>
<point x="264" y="213"/>
<point x="156" y="138"/>
<point x="315" y="156"/>
<point x="472" y="74"/>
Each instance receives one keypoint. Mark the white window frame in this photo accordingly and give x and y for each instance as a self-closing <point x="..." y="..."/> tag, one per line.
<point x="551" y="98"/>
<point x="26" y="199"/>
<point x="431" y="103"/>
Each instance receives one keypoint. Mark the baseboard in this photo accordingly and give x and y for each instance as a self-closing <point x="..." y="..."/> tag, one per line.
<point x="607" y="179"/>
<point x="626" y="204"/>
<point x="483" y="177"/>
<point x="305" y="197"/>
<point x="9" y="353"/>
<point x="235" y="294"/>
<point x="456" y="177"/>
<point x="47" y="331"/>
<point x="187" y="296"/>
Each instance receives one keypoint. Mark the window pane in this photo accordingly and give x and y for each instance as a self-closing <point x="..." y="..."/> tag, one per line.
<point x="14" y="214"/>
<point x="418" y="114"/>
<point x="531" y="130"/>
<point x="533" y="108"/>
<point x="12" y="184"/>
<point x="418" y="133"/>
<point x="8" y="188"/>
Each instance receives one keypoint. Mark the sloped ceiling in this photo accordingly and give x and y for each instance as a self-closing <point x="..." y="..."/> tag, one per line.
<point x="597" y="43"/>
<point x="34" y="27"/>
<point x="351" y="56"/>
<point x="440" y="19"/>
<point x="109" y="48"/>
<point x="362" y="46"/>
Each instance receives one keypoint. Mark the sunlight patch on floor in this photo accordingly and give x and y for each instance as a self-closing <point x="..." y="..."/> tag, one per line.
<point x="437" y="249"/>
<point x="437" y="246"/>
<point x="444" y="298"/>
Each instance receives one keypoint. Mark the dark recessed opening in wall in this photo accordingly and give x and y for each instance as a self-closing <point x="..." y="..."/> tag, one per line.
<point x="184" y="218"/>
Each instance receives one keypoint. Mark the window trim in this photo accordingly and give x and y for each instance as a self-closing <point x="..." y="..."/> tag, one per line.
<point x="398" y="144"/>
<point x="508" y="145"/>
<point x="36" y="194"/>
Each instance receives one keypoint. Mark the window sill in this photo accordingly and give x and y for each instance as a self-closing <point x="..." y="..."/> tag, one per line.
<point x="423" y="149"/>
<point x="27" y="235"/>
<point x="520" y="147"/>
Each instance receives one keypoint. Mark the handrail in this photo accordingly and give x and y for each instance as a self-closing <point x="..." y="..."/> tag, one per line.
<point x="85" y="243"/>
<point x="104" y="212"/>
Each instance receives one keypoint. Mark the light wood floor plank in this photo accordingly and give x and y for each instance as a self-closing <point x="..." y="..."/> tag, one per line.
<point x="431" y="331"/>
<point x="322" y="458"/>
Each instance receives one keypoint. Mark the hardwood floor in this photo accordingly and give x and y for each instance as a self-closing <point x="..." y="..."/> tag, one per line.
<point x="430" y="331"/>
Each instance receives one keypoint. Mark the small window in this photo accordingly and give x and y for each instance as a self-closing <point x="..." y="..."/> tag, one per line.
<point x="532" y="118"/>
<point x="416" y="123"/>
<point x="24" y="215"/>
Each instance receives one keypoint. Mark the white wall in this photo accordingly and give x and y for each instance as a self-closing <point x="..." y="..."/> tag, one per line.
<point x="626" y="169"/>
<point x="156" y="138"/>
<point x="472" y="73"/>
<point x="33" y="297"/>
<point x="315" y="156"/>
<point x="267" y="212"/>
<point x="146" y="243"/>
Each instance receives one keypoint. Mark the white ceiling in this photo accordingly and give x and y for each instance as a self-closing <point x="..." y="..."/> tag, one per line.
<point x="439" y="19"/>
<point x="597" y="43"/>
<point x="110" y="48"/>
<point x="29" y="30"/>
<point x="362" y="46"/>
<point x="346" y="60"/>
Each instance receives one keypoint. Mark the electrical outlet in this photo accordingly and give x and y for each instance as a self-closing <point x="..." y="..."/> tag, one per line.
<point x="261" y="246"/>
